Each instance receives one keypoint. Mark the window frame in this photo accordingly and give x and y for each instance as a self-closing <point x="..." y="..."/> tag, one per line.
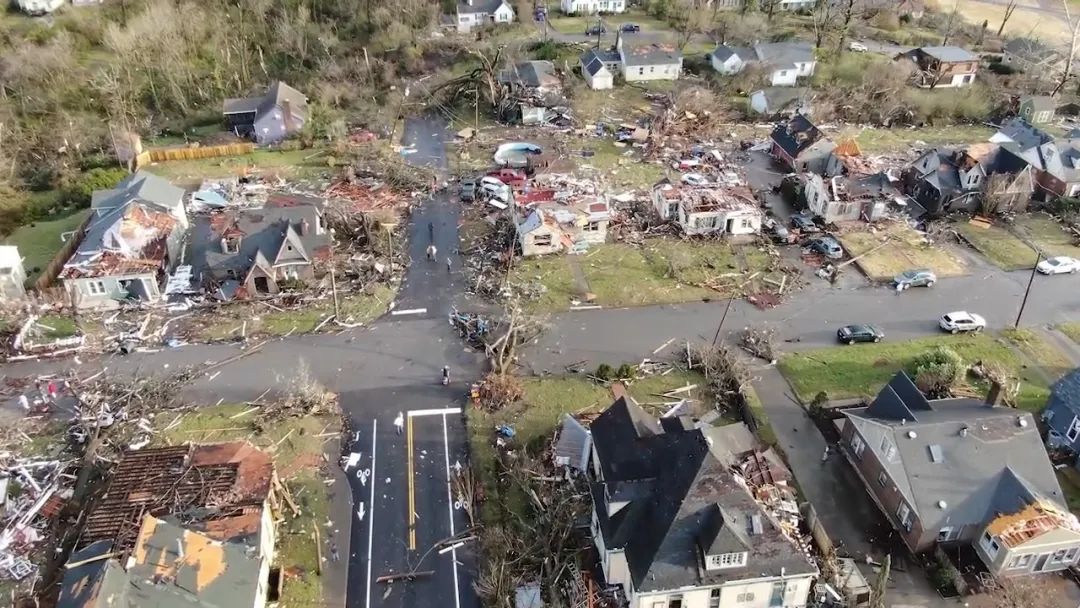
<point x="96" y="287"/>
<point x="857" y="445"/>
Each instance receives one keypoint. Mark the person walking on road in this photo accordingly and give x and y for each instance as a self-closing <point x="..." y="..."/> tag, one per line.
<point x="334" y="552"/>
<point x="431" y="252"/>
<point x="399" y="423"/>
<point x="448" y="262"/>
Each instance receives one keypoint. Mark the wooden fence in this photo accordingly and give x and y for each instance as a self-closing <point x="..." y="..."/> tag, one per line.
<point x="55" y="265"/>
<point x="158" y="155"/>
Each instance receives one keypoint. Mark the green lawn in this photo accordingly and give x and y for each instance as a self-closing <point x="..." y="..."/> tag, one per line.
<point x="1047" y="358"/>
<point x="620" y="166"/>
<point x="297" y="455"/>
<point x="905" y="250"/>
<point x="577" y="24"/>
<point x="39" y="242"/>
<point x="1047" y="234"/>
<point x="624" y="103"/>
<point x="999" y="246"/>
<point x="877" y="141"/>
<point x="58" y="327"/>
<point x="861" y="370"/>
<point x="1071" y="329"/>
<point x="290" y="163"/>
<point x="662" y="271"/>
<point x="1069" y="478"/>
<point x="227" y="322"/>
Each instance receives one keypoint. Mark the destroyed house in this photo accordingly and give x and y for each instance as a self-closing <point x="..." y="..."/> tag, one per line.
<point x="1034" y="56"/>
<point x="676" y="524"/>
<point x="250" y="252"/>
<point x="941" y="66"/>
<point x="567" y="225"/>
<point x="943" y="180"/>
<point x="220" y="490"/>
<point x="268" y="118"/>
<point x="711" y="209"/>
<point x="535" y="86"/>
<point x="169" y="565"/>
<point x="962" y="471"/>
<point x="799" y="146"/>
<point x="133" y="237"/>
<point x="846" y="198"/>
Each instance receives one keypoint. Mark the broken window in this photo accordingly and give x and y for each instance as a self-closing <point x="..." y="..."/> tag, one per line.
<point x="96" y="288"/>
<point x="230" y="245"/>
<point x="857" y="445"/>
<point x="1021" y="561"/>
<point x="542" y="240"/>
<point x="903" y="513"/>
<point x="592" y="227"/>
<point x="746" y="223"/>
<point x="707" y="221"/>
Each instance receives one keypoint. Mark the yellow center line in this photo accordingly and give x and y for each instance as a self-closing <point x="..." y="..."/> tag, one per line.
<point x="412" y="487"/>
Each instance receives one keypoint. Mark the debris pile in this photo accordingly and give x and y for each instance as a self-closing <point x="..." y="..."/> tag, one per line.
<point x="759" y="343"/>
<point x="32" y="492"/>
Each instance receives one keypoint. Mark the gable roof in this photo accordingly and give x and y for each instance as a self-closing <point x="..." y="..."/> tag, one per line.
<point x="723" y="52"/>
<point x="1031" y="50"/>
<point x="956" y="461"/>
<point x="948" y="54"/>
<point x="278" y="94"/>
<point x="784" y="54"/>
<point x="594" y="61"/>
<point x="1066" y="391"/>
<point x="638" y="53"/>
<point x="681" y="501"/>
<point x="1040" y="103"/>
<point x="479" y="6"/>
<point x="531" y="74"/>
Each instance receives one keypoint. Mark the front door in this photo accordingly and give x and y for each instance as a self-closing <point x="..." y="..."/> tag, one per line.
<point x="776" y="599"/>
<point x="1041" y="562"/>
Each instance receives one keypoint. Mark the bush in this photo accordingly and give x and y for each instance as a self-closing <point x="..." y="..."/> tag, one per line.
<point x="625" y="372"/>
<point x="887" y="20"/>
<point x="935" y="106"/>
<point x="998" y="67"/>
<point x="80" y="188"/>
<point x="546" y="50"/>
<point x="1064" y="206"/>
<point x="937" y="371"/>
<point x="604" y="372"/>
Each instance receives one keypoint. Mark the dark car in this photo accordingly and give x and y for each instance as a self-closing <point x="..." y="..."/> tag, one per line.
<point x="850" y="334"/>
<point x="804" y="223"/>
<point x="468" y="189"/>
<point x="915" y="278"/>
<point x="827" y="246"/>
<point x="595" y="30"/>
<point x="631" y="27"/>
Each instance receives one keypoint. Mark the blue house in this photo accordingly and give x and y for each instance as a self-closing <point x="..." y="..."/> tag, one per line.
<point x="1062" y="413"/>
<point x="270" y="118"/>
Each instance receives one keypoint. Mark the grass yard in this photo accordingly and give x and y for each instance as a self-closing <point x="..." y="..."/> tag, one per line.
<point x="1071" y="329"/>
<point x="298" y="455"/>
<point x="619" y="166"/>
<point x="1069" y="478"/>
<point x="577" y="24"/>
<point x="228" y="322"/>
<point x="857" y="371"/>
<point x="877" y="141"/>
<point x="662" y="271"/>
<point x="290" y="163"/>
<point x="624" y="103"/>
<point x="905" y="251"/>
<point x="55" y="327"/>
<point x="1047" y="359"/>
<point x="1047" y="234"/>
<point x="39" y="242"/>
<point x="998" y="245"/>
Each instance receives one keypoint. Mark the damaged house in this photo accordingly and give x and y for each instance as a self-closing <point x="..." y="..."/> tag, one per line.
<point x="643" y="61"/>
<point x="133" y="238"/>
<point x="598" y="68"/>
<point x="962" y="472"/>
<point x="782" y="62"/>
<point x="712" y="209"/>
<point x="846" y="198"/>
<point x="250" y="252"/>
<point x="534" y="92"/>
<point x="799" y="146"/>
<point x="944" y="180"/>
<point x="188" y="525"/>
<point x="941" y="66"/>
<point x="675" y="525"/>
<point x="569" y="225"/>
<point x="268" y="118"/>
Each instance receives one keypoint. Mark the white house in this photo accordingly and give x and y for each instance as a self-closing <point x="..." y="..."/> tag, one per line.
<point x="674" y="527"/>
<point x="38" y="7"/>
<point x="12" y="273"/>
<point x="708" y="209"/>
<point x="553" y="227"/>
<point x="772" y="101"/>
<point x="477" y="13"/>
<point x="784" y="62"/>
<point x="591" y="7"/>
<point x="598" y="68"/>
<point x="648" y="60"/>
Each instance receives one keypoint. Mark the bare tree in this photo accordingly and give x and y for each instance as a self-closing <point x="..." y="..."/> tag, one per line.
<point x="823" y="16"/>
<point x="995" y="194"/>
<point x="1010" y="8"/>
<point x="950" y="23"/>
<point x="1074" y="26"/>
<point x="1021" y="592"/>
<point x="848" y="8"/>
<point x="877" y="592"/>
<point x="689" y="21"/>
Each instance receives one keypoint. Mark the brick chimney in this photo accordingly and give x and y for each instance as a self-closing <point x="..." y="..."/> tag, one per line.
<point x="993" y="396"/>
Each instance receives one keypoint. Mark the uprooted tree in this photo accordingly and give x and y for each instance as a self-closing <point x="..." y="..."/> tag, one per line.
<point x="515" y="329"/>
<point x="725" y="373"/>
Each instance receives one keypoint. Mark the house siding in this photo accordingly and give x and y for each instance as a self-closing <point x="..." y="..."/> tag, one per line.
<point x="86" y="299"/>
<point x="1041" y="549"/>
<point x="642" y="73"/>
<point x="796" y="593"/>
<point x="732" y="65"/>
<point x="591" y="7"/>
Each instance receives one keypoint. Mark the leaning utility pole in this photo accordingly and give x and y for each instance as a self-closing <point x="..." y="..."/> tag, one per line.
<point x="1023" y="303"/>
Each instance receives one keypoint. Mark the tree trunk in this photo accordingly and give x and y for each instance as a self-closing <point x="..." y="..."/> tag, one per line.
<point x="1005" y="18"/>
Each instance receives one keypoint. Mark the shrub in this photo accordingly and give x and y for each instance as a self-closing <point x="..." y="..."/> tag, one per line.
<point x="1065" y="206"/>
<point x="79" y="189"/>
<point x="937" y="371"/>
<point x="998" y="67"/>
<point x="604" y="372"/>
<point x="887" y="20"/>
<point x="625" y="371"/>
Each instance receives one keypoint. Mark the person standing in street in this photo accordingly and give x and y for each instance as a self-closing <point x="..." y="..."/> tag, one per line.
<point x="399" y="423"/>
<point x="431" y="252"/>
<point x="448" y="262"/>
<point x="334" y="552"/>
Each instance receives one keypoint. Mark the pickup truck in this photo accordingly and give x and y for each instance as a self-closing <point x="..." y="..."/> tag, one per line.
<point x="510" y="177"/>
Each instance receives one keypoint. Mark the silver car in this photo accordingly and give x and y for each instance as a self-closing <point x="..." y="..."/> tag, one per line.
<point x="914" y="278"/>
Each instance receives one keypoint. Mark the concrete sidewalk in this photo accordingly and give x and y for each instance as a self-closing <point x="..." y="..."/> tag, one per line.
<point x="335" y="573"/>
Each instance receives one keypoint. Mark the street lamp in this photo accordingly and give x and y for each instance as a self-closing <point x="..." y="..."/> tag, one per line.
<point x="1038" y="258"/>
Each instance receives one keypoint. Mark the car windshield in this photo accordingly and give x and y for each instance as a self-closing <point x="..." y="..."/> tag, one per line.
<point x="1054" y="261"/>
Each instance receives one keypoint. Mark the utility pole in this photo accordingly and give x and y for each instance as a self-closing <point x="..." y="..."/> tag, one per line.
<point x="476" y="108"/>
<point x="1023" y="303"/>
<point x="722" y="319"/>
<point x="333" y="289"/>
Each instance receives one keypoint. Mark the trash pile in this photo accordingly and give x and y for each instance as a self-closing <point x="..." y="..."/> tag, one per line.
<point x="232" y="193"/>
<point x="32" y="493"/>
<point x="768" y="481"/>
<point x="472" y="327"/>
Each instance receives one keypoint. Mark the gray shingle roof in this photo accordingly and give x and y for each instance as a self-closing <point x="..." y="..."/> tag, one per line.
<point x="594" y="59"/>
<point x="722" y="52"/>
<point x="649" y="53"/>
<point x="797" y="135"/>
<point x="479" y="6"/>
<point x="990" y="455"/>
<point x="1066" y="391"/>
<point x="278" y="94"/>
<point x="783" y="54"/>
<point x="682" y="499"/>
<point x="949" y="53"/>
<point x="531" y="74"/>
<point x="574" y="444"/>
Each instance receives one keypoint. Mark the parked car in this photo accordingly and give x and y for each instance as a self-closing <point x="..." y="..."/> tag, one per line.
<point x="804" y="223"/>
<point x="915" y="278"/>
<point x="850" y="334"/>
<point x="631" y="27"/>
<point x="857" y="46"/>
<point x="595" y="30"/>
<point x="694" y="179"/>
<point x="827" y="246"/>
<point x="468" y="189"/>
<point x="1058" y="265"/>
<point x="956" y="322"/>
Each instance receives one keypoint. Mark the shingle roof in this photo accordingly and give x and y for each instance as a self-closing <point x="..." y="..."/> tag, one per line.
<point x="531" y="74"/>
<point x="593" y="60"/>
<point x="991" y="458"/>
<point x="783" y="54"/>
<point x="681" y="499"/>
<point x="1030" y="49"/>
<point x="479" y="6"/>
<point x="277" y="95"/>
<point x="1041" y="103"/>
<point x="649" y="53"/>
<point x="778" y="98"/>
<point x="574" y="444"/>
<point x="722" y="52"/>
<point x="796" y="135"/>
<point x="949" y="53"/>
<point x="1066" y="391"/>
